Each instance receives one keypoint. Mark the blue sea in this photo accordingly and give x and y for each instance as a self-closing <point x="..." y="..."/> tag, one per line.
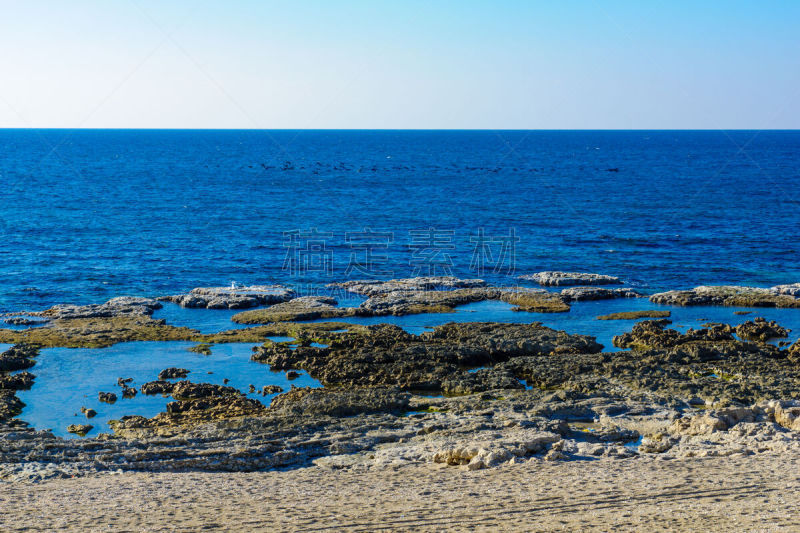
<point x="86" y="215"/>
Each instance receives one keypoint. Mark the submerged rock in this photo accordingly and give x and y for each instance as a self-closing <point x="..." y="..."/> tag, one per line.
<point x="80" y="429"/>
<point x="556" y="278"/>
<point x="634" y="315"/>
<point x="232" y="298"/>
<point x="107" y="397"/>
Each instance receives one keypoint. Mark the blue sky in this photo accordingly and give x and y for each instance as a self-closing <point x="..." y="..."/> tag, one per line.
<point x="392" y="64"/>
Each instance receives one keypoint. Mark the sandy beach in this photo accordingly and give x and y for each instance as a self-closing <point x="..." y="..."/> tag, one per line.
<point x="753" y="493"/>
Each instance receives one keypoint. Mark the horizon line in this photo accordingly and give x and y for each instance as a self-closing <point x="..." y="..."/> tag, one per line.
<point x="122" y="128"/>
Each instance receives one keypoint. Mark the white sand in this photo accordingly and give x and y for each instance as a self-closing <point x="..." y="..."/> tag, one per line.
<point x="755" y="493"/>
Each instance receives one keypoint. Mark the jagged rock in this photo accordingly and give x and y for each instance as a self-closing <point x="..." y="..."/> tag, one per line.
<point x="186" y="390"/>
<point x="19" y="357"/>
<point x="651" y="334"/>
<point x="702" y="424"/>
<point x="80" y="429"/>
<point x="787" y="414"/>
<point x="10" y="405"/>
<point x="157" y="387"/>
<point x="173" y="373"/>
<point x="759" y="329"/>
<point x="232" y="298"/>
<point x="580" y="294"/>
<point x="304" y="401"/>
<point x="385" y="355"/>
<point x="124" y="381"/>
<point x="266" y="390"/>
<point x="727" y="295"/>
<point x="128" y="392"/>
<point x="107" y="397"/>
<point x="792" y="289"/>
<point x="90" y="413"/>
<point x="556" y="278"/>
<point x="20" y="381"/>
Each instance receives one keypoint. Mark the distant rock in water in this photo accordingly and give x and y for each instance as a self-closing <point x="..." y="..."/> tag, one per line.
<point x="173" y="373"/>
<point x="122" y="306"/>
<point x="232" y="298"/>
<point x="580" y="294"/>
<point x="792" y="289"/>
<point x="728" y="295"/>
<point x="376" y="287"/>
<point x="556" y="278"/>
<point x="80" y="429"/>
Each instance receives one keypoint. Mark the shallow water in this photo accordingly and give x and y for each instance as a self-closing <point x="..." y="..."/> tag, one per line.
<point x="68" y="379"/>
<point x="203" y="320"/>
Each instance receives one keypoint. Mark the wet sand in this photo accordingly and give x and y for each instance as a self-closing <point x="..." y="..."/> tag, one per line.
<point x="753" y="493"/>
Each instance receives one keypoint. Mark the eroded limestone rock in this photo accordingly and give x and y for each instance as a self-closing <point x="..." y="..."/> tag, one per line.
<point x="557" y="278"/>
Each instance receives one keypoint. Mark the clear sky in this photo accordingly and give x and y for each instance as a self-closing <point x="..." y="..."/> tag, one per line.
<point x="400" y="64"/>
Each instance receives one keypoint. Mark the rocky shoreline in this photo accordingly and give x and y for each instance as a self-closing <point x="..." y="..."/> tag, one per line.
<point x="473" y="394"/>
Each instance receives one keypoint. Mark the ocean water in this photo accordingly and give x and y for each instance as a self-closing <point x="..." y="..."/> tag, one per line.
<point x="86" y="215"/>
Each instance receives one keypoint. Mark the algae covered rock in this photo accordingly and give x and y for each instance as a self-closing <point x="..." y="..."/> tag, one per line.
<point x="759" y="329"/>
<point x="80" y="429"/>
<point x="386" y="355"/>
<point x="727" y="295"/>
<point x="297" y="309"/>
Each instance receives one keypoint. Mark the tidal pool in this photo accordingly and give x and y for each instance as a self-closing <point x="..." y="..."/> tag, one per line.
<point x="68" y="379"/>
